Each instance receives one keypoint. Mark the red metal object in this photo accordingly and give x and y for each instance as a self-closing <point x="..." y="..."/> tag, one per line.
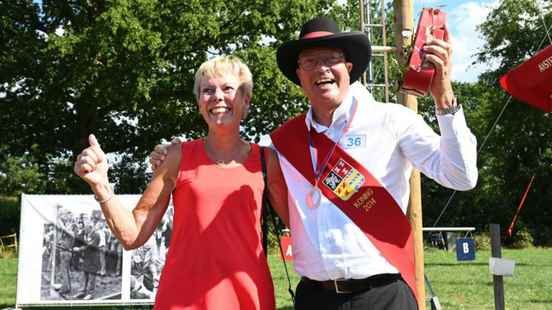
<point x="419" y="74"/>
<point x="531" y="81"/>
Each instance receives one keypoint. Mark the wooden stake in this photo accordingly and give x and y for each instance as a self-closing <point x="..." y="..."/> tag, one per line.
<point x="404" y="30"/>
<point x="496" y="251"/>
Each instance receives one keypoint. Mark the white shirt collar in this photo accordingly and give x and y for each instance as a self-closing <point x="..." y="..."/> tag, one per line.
<point x="340" y="115"/>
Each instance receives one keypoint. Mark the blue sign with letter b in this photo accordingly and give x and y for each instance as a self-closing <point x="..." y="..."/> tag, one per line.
<point x="465" y="249"/>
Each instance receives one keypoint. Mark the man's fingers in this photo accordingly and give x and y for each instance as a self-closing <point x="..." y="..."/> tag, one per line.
<point x="157" y="156"/>
<point x="428" y="34"/>
<point x="439" y="64"/>
<point x="437" y="51"/>
<point x="176" y="140"/>
<point x="160" y="153"/>
<point x="160" y="149"/>
<point x="446" y="37"/>
<point x="154" y="163"/>
<point x="439" y="44"/>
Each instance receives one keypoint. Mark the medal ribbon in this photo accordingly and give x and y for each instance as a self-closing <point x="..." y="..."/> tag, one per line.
<point x="320" y="166"/>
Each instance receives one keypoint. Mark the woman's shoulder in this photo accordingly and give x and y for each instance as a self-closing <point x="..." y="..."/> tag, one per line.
<point x="184" y="146"/>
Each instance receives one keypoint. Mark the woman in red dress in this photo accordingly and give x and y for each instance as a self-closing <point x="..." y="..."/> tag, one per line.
<point x="215" y="258"/>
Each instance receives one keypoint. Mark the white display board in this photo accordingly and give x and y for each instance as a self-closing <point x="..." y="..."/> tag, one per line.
<point x="68" y="255"/>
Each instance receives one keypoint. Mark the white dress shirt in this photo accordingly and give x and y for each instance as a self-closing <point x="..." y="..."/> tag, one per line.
<point x="388" y="140"/>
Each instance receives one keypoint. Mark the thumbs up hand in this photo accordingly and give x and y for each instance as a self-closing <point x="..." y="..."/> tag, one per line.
<point x="91" y="164"/>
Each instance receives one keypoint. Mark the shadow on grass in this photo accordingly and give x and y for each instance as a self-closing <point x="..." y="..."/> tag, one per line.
<point x="478" y="264"/>
<point x="541" y="301"/>
<point x="285" y="308"/>
<point x="457" y="264"/>
<point x="461" y="282"/>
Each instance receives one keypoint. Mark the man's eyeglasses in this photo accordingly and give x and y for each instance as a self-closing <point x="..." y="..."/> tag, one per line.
<point x="310" y="63"/>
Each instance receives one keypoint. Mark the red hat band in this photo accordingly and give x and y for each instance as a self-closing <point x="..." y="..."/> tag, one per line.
<point x="317" y="34"/>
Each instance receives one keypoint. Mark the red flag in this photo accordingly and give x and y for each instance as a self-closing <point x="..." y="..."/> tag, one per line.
<point x="285" y="246"/>
<point x="419" y="74"/>
<point x="531" y="81"/>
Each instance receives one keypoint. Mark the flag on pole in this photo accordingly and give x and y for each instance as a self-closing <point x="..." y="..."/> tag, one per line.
<point x="531" y="81"/>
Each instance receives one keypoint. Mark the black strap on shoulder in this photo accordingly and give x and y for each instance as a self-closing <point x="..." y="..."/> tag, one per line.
<point x="265" y="204"/>
<point x="266" y="212"/>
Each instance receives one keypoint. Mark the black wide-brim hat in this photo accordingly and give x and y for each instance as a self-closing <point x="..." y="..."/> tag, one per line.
<point x="324" y="32"/>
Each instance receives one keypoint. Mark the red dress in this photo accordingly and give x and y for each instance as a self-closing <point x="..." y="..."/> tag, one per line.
<point x="215" y="259"/>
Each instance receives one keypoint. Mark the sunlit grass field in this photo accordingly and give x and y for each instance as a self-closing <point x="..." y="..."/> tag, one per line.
<point x="467" y="285"/>
<point x="458" y="285"/>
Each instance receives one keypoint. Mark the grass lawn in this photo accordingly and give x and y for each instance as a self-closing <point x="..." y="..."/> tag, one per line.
<point x="468" y="285"/>
<point x="458" y="285"/>
<point x="8" y="281"/>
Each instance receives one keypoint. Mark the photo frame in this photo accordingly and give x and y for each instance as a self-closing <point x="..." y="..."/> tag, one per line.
<point x="68" y="255"/>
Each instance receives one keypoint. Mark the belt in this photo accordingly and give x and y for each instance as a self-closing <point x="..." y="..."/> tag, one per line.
<point x="349" y="286"/>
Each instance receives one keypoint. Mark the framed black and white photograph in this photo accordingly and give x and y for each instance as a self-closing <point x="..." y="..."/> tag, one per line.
<point x="69" y="255"/>
<point x="148" y="260"/>
<point x="81" y="258"/>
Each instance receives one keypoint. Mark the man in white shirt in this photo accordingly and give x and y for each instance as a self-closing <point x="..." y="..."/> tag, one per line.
<point x="347" y="163"/>
<point x="349" y="258"/>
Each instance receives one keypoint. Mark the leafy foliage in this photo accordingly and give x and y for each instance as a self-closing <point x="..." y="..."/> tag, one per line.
<point x="124" y="71"/>
<point x="20" y="175"/>
<point x="522" y="141"/>
<point x="9" y="213"/>
<point x="520" y="144"/>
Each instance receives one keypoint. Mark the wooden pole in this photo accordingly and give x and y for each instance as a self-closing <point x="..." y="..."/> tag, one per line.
<point x="497" y="280"/>
<point x="363" y="29"/>
<point x="404" y="30"/>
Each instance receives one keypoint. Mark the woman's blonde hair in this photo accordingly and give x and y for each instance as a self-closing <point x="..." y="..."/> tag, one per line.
<point x="225" y="65"/>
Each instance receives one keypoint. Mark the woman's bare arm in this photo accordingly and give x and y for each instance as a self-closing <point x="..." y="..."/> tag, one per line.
<point x="132" y="228"/>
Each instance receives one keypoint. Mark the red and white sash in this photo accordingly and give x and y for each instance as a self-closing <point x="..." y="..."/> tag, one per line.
<point x="353" y="189"/>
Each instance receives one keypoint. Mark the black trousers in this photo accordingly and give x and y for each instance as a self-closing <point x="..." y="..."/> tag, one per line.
<point x="393" y="296"/>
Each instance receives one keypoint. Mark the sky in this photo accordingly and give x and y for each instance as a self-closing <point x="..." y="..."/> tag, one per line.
<point x="463" y="18"/>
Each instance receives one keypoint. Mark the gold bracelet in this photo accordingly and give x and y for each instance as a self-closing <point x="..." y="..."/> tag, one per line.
<point x="111" y="192"/>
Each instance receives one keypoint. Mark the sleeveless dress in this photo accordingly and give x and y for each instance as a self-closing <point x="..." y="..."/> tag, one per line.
<point x="215" y="259"/>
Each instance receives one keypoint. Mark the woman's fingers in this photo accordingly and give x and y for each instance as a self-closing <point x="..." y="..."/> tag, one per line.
<point x="90" y="158"/>
<point x="95" y="148"/>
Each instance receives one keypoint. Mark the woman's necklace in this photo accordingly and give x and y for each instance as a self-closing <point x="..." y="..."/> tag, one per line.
<point x="237" y="155"/>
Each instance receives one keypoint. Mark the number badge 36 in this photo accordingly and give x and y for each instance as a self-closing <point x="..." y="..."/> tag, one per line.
<point x="355" y="141"/>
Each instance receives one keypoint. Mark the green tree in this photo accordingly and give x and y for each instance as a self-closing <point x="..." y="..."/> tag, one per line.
<point x="20" y="175"/>
<point x="521" y="144"/>
<point x="124" y="71"/>
<point x="517" y="148"/>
